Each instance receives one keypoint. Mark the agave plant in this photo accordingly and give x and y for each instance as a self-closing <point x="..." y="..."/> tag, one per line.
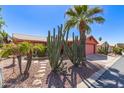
<point x="54" y="47"/>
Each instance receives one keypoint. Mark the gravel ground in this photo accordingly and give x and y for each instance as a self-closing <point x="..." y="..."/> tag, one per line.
<point x="71" y="79"/>
<point x="11" y="73"/>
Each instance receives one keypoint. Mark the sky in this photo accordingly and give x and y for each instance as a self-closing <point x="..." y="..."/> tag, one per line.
<point x="37" y="20"/>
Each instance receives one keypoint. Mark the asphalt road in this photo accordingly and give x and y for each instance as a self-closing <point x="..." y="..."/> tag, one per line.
<point x="113" y="77"/>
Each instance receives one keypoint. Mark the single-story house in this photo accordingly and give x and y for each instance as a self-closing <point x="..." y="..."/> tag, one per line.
<point x="91" y="42"/>
<point x="17" y="38"/>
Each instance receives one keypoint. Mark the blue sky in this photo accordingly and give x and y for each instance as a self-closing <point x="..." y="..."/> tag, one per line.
<point x="37" y="20"/>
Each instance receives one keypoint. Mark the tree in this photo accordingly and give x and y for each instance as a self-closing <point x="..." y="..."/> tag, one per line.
<point x="100" y="38"/>
<point x="14" y="51"/>
<point x="28" y="49"/>
<point x="3" y="35"/>
<point x="81" y="16"/>
<point x="19" y="50"/>
<point x="2" y="22"/>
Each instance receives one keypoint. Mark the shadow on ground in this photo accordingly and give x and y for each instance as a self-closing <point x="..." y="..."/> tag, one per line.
<point x="110" y="79"/>
<point x="75" y="75"/>
<point x="10" y="66"/>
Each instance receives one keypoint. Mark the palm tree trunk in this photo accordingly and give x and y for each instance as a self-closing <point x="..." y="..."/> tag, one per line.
<point x="20" y="61"/>
<point x="29" y="61"/>
<point x="82" y="42"/>
<point x="13" y="60"/>
<point x="83" y="48"/>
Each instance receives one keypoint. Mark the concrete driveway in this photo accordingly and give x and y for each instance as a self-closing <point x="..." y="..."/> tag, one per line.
<point x="101" y="59"/>
<point x="113" y="77"/>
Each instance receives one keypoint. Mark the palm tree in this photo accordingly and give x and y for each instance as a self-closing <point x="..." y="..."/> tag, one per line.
<point x="3" y="34"/>
<point x="4" y="37"/>
<point x="81" y="16"/>
<point x="13" y="50"/>
<point x="19" y="50"/>
<point x="2" y="22"/>
<point x="28" y="50"/>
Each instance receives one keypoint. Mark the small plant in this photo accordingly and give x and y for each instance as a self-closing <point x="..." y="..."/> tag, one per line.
<point x="54" y="48"/>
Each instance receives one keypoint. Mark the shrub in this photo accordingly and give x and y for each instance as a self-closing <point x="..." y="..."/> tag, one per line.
<point x="40" y="50"/>
<point x="117" y="50"/>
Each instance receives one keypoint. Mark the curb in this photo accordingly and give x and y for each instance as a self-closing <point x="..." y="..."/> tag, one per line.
<point x="97" y="74"/>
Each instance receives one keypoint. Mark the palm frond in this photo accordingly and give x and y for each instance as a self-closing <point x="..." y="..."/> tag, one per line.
<point x="70" y="23"/>
<point x="98" y="19"/>
<point x="71" y="13"/>
<point x="78" y="9"/>
<point x="94" y="11"/>
<point x="7" y="50"/>
<point x="87" y="29"/>
<point x="25" y="47"/>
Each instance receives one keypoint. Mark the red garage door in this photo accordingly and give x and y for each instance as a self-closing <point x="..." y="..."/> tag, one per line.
<point x="90" y="48"/>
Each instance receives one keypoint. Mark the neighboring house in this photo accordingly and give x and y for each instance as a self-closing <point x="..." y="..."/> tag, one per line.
<point x="121" y="45"/>
<point x="91" y="42"/>
<point x="105" y="44"/>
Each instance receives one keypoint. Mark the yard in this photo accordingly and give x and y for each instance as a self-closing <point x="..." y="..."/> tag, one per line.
<point x="41" y="75"/>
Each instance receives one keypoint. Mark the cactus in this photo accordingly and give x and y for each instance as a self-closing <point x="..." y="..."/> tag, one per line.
<point x="73" y="52"/>
<point x="54" y="46"/>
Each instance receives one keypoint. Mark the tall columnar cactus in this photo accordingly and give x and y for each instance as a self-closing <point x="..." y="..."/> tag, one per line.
<point x="73" y="52"/>
<point x="54" y="46"/>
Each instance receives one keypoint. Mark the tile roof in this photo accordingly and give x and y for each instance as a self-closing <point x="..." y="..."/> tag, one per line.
<point x="29" y="37"/>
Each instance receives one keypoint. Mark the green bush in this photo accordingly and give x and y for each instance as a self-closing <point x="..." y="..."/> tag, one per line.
<point x="40" y="50"/>
<point x="103" y="50"/>
<point x="117" y="50"/>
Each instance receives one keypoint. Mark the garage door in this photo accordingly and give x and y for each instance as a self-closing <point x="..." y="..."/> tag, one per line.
<point x="90" y="49"/>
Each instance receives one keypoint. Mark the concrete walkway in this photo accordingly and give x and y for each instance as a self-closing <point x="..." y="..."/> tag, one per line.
<point x="113" y="77"/>
<point x="91" y="81"/>
<point x="40" y="73"/>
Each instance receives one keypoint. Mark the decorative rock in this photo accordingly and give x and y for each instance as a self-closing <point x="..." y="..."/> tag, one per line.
<point x="43" y="64"/>
<point x="35" y="62"/>
<point x="24" y="61"/>
<point x="40" y="71"/>
<point x="36" y="82"/>
<point x="42" y="67"/>
<point x="39" y="75"/>
<point x="46" y="60"/>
